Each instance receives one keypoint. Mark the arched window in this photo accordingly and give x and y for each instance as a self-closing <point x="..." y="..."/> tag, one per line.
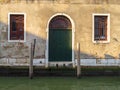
<point x="60" y="22"/>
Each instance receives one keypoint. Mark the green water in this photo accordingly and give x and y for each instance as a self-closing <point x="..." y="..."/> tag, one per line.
<point x="60" y="83"/>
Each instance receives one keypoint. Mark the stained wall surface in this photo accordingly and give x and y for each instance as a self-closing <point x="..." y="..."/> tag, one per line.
<point x="38" y="13"/>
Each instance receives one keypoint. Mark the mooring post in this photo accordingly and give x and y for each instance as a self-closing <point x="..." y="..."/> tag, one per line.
<point x="78" y="61"/>
<point x="31" y="62"/>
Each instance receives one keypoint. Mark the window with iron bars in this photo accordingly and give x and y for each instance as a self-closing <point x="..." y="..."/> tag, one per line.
<point x="100" y="28"/>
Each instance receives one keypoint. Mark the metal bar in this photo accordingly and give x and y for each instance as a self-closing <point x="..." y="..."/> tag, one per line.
<point x="34" y="47"/>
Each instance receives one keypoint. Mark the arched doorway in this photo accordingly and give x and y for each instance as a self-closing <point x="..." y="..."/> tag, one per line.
<point x="60" y="39"/>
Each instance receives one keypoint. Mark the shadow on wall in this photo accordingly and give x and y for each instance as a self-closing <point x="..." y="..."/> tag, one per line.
<point x="17" y="49"/>
<point x="107" y="56"/>
<point x="21" y="50"/>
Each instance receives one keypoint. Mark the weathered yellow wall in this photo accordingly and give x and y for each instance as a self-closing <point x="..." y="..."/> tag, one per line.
<point x="63" y="1"/>
<point x="80" y="11"/>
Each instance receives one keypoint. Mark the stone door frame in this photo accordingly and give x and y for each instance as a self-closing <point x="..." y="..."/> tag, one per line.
<point x="47" y="40"/>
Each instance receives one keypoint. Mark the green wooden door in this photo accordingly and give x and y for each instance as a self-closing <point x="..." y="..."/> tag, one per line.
<point x="60" y="45"/>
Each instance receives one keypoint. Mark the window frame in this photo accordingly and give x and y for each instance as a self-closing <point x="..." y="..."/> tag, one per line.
<point x="108" y="28"/>
<point x="9" y="27"/>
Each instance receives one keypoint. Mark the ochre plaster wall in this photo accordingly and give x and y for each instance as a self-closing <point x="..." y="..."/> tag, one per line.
<point x="38" y="14"/>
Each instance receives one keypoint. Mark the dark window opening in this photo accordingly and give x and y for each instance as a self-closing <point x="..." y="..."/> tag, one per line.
<point x="16" y="27"/>
<point x="100" y="28"/>
<point x="13" y="26"/>
<point x="60" y="22"/>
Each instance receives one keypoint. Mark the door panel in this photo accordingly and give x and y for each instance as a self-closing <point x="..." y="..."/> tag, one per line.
<point x="60" y="45"/>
